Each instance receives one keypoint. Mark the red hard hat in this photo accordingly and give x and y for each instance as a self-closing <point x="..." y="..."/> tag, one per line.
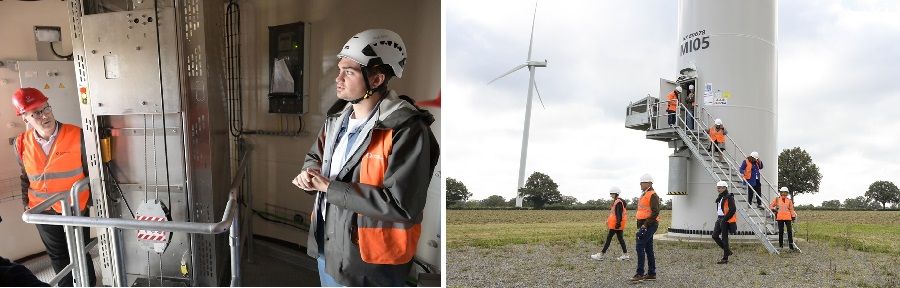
<point x="27" y="99"/>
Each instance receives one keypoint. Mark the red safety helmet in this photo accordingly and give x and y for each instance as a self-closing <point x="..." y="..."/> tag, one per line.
<point x="27" y="99"/>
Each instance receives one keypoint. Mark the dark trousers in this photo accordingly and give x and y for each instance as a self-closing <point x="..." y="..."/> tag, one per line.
<point x="618" y="234"/>
<point x="751" y="194"/>
<point x="54" y="238"/>
<point x="690" y="118"/>
<point x="644" y="248"/>
<point x="790" y="232"/>
<point x="671" y="117"/>
<point x="720" y="235"/>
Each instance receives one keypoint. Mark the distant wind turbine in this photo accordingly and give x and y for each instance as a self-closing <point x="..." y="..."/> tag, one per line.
<point x="531" y="85"/>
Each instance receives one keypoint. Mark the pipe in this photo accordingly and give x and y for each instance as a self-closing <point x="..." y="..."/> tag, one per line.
<point x="62" y="273"/>
<point x="235" y="244"/>
<point x="79" y="235"/>
<point x="33" y="215"/>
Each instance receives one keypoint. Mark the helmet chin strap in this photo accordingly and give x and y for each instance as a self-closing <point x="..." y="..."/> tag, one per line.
<point x="369" y="90"/>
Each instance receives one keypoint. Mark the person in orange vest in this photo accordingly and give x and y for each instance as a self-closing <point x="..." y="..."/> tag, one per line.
<point x="647" y="222"/>
<point x="51" y="155"/>
<point x="369" y="169"/>
<point x="672" y="104"/>
<point x="726" y="221"/>
<point x="717" y="138"/>
<point x="750" y="169"/>
<point x="616" y="224"/>
<point x="783" y="207"/>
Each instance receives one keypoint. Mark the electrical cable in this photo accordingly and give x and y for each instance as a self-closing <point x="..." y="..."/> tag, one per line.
<point x="67" y="57"/>
<point x="119" y="188"/>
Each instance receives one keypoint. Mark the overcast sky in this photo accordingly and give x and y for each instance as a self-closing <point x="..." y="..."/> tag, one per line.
<point x="838" y="92"/>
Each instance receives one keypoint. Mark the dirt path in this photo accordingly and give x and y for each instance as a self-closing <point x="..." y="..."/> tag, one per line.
<point x="678" y="265"/>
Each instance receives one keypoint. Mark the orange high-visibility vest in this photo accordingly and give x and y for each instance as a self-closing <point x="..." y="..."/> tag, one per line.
<point x="673" y="101"/>
<point x="383" y="242"/>
<point x="785" y="208"/>
<point x="725" y="210"/>
<point x="748" y="169"/>
<point x="611" y="220"/>
<point x="716" y="136"/>
<point x="56" y="172"/>
<point x="643" y="207"/>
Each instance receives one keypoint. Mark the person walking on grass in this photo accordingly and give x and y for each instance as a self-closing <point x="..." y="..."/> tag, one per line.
<point x="647" y="222"/>
<point x="616" y="224"/>
<point x="726" y="222"/>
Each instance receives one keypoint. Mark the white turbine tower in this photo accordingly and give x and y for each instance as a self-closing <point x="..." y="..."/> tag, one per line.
<point x="531" y="85"/>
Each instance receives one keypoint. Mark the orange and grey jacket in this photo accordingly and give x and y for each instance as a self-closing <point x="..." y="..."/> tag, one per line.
<point x="44" y="175"/>
<point x="374" y="211"/>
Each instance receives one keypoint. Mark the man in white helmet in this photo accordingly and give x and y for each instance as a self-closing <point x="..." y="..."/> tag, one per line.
<point x="690" y="102"/>
<point x="647" y="216"/>
<point x="726" y="220"/>
<point x="750" y="171"/>
<point x="717" y="138"/>
<point x="371" y="167"/>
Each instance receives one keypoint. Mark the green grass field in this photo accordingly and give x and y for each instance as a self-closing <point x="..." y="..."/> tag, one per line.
<point x="868" y="231"/>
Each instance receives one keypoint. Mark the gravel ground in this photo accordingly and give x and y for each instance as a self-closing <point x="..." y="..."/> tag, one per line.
<point x="678" y="265"/>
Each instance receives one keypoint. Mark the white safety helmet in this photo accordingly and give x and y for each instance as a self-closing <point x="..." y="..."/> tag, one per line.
<point x="691" y="87"/>
<point x="615" y="190"/>
<point x="754" y="154"/>
<point x="678" y="88"/>
<point x="647" y="178"/>
<point x="784" y="189"/>
<point x="718" y="121"/>
<point x="376" y="46"/>
<point x="721" y="184"/>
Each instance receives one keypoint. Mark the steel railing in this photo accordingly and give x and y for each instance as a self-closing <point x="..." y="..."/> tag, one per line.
<point x="694" y="139"/>
<point x="228" y="223"/>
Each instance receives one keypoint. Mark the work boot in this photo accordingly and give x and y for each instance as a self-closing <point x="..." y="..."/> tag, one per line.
<point x="598" y="256"/>
<point x="637" y="278"/>
<point x="650" y="277"/>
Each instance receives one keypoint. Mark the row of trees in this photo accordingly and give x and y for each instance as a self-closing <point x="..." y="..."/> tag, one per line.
<point x="540" y="192"/>
<point x="796" y="171"/>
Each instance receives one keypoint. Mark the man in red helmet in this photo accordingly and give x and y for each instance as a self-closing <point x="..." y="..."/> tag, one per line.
<point x="52" y="158"/>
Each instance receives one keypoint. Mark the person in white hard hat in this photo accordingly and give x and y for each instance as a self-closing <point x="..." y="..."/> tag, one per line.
<point x="616" y="224"/>
<point x="369" y="169"/>
<point x="750" y="171"/>
<point x="717" y="138"/>
<point x="647" y="215"/>
<point x="783" y="207"/>
<point x="726" y="220"/>
<point x="672" y="104"/>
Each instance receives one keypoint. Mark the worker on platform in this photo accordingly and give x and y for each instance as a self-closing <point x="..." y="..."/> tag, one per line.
<point x="726" y="220"/>
<point x="690" y="103"/>
<point x="616" y="224"/>
<point x="750" y="169"/>
<point x="647" y="222"/>
<point x="783" y="207"/>
<point x="672" y="104"/>
<point x="51" y="155"/>
<point x="717" y="138"/>
<point x="371" y="165"/>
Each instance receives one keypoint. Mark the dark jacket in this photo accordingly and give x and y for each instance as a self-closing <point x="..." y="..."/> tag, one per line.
<point x="360" y="215"/>
<point x="13" y="274"/>
<point x="729" y="198"/>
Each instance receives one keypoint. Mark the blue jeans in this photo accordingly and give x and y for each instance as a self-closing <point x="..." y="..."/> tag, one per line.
<point x="325" y="280"/>
<point x="644" y="247"/>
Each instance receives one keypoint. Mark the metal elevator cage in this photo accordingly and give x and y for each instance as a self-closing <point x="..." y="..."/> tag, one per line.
<point x="149" y="76"/>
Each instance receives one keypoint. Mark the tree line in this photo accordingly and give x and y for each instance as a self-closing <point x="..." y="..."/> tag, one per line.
<point x="796" y="171"/>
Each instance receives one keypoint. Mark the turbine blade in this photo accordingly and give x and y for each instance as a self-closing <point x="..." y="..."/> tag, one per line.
<point x="539" y="94"/>
<point x="531" y="39"/>
<point x="507" y="73"/>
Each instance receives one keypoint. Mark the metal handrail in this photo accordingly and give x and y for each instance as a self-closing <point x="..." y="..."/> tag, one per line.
<point x="228" y="222"/>
<point x="62" y="273"/>
<point x="692" y="139"/>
